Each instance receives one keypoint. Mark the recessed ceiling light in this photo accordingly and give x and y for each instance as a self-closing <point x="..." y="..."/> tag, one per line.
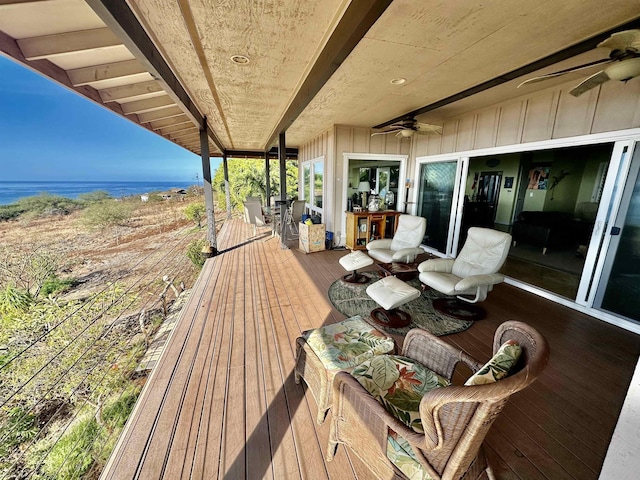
<point x="240" y="59"/>
<point x="398" y="81"/>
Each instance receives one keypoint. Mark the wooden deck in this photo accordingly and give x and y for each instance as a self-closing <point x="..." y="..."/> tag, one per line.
<point x="222" y="402"/>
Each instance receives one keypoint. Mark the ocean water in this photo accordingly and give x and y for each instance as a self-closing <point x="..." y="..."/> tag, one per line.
<point x="12" y="191"/>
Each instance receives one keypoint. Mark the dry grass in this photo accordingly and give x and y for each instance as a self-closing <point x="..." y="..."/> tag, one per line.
<point x="150" y="245"/>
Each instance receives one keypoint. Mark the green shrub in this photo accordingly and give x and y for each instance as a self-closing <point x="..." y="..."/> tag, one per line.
<point x="115" y="415"/>
<point x="107" y="213"/>
<point x="95" y="196"/>
<point x="196" y="212"/>
<point x="53" y="284"/>
<point x="16" y="427"/>
<point x="10" y="212"/>
<point x="14" y="299"/>
<point x="46" y="204"/>
<point x="72" y="456"/>
<point x="194" y="252"/>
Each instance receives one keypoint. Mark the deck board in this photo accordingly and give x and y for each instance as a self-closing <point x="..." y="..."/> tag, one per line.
<point x="222" y="401"/>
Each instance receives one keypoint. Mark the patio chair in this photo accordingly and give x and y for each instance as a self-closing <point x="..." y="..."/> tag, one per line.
<point x="443" y="438"/>
<point x="470" y="276"/>
<point x="293" y="215"/>
<point x="405" y="244"/>
<point x="253" y="215"/>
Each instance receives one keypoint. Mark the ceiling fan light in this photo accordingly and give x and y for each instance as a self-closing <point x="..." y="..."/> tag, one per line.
<point x="407" y="133"/>
<point x="624" y="70"/>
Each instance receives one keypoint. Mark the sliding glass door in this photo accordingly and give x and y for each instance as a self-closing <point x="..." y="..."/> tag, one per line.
<point x="438" y="191"/>
<point x="618" y="288"/>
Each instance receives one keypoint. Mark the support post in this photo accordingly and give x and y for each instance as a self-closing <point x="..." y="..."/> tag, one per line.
<point x="227" y="190"/>
<point x="267" y="174"/>
<point x="208" y="191"/>
<point x="282" y="157"/>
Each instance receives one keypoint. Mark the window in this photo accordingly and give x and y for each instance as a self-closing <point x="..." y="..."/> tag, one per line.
<point x="312" y="186"/>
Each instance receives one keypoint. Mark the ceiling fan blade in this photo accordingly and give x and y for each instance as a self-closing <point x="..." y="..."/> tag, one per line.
<point x="589" y="83"/>
<point x="622" y="40"/>
<point x="385" y="133"/>
<point x="427" y="128"/>
<point x="566" y="70"/>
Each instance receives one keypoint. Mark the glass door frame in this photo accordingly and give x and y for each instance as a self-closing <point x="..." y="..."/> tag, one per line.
<point x="622" y="189"/>
<point x="610" y="202"/>
<point x="346" y="158"/>
<point x="304" y="189"/>
<point x="457" y="199"/>
<point x="595" y="256"/>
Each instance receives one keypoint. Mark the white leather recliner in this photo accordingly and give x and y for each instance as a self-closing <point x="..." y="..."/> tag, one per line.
<point x="474" y="272"/>
<point x="404" y="246"/>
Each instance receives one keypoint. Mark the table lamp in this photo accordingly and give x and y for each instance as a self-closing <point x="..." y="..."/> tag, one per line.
<point x="364" y="188"/>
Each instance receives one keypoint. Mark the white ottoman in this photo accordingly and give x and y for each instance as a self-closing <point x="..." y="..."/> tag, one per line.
<point x="353" y="262"/>
<point x="391" y="293"/>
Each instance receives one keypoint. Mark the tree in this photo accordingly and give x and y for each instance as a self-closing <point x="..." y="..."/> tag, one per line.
<point x="108" y="213"/>
<point x="28" y="268"/>
<point x="247" y="178"/>
<point x="196" y="212"/>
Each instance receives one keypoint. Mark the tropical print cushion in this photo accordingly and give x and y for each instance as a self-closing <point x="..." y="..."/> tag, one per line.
<point x="400" y="453"/>
<point x="499" y="365"/>
<point x="399" y="384"/>
<point x="346" y="344"/>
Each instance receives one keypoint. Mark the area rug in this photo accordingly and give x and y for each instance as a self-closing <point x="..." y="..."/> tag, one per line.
<point x="351" y="299"/>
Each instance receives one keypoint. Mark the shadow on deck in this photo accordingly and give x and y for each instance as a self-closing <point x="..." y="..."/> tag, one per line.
<point x="222" y="401"/>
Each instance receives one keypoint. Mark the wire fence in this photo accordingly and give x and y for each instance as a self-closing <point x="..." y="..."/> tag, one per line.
<point x="67" y="390"/>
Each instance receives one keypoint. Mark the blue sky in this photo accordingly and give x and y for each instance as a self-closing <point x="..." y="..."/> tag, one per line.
<point x="50" y="133"/>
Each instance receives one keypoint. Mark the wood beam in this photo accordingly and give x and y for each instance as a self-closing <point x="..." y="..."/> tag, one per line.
<point x="161" y="114"/>
<point x="108" y="71"/>
<point x="292" y="153"/>
<point x="47" y="46"/>
<point x="119" y="17"/>
<point x="177" y="128"/>
<point x="187" y="134"/>
<point x="148" y="105"/>
<point x="552" y="59"/>
<point x="358" y="18"/>
<point x="10" y="47"/>
<point x="130" y="92"/>
<point x="12" y="2"/>
<point x="167" y="122"/>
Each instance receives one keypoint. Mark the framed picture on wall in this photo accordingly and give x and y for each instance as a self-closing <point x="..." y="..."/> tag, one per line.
<point x="508" y="182"/>
<point x="538" y="178"/>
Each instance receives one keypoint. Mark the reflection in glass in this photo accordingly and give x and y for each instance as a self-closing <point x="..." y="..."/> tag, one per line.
<point x="318" y="173"/>
<point x="435" y="198"/>
<point x="306" y="175"/>
<point x="622" y="294"/>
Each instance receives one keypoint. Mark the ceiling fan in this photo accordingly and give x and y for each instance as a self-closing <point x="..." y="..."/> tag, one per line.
<point x="624" y="59"/>
<point x="409" y="127"/>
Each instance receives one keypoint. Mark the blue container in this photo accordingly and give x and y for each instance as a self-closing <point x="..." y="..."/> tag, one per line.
<point x="304" y="217"/>
<point x="328" y="243"/>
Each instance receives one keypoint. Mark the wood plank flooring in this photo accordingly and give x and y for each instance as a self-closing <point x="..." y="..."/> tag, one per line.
<point x="222" y="401"/>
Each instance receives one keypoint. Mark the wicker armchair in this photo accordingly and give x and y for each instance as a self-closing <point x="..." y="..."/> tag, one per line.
<point x="455" y="419"/>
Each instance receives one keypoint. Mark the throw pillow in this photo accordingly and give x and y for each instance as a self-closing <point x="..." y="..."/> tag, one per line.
<point x="499" y="365"/>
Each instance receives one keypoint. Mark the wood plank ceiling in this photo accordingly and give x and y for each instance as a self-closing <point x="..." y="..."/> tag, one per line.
<point x="306" y="69"/>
